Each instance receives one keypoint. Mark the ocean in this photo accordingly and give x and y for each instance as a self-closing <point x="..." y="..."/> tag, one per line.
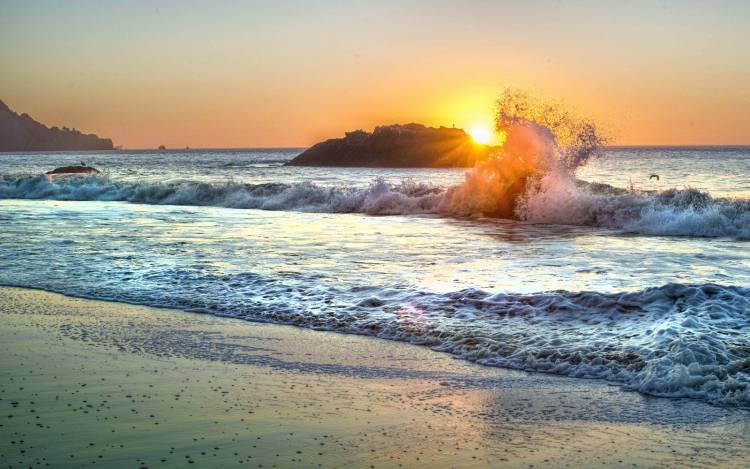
<point x="616" y="275"/>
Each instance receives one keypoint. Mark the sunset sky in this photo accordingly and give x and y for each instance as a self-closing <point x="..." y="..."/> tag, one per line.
<point x="248" y="74"/>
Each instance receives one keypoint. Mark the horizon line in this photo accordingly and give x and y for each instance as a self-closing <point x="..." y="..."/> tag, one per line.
<point x="247" y="148"/>
<point x="295" y="147"/>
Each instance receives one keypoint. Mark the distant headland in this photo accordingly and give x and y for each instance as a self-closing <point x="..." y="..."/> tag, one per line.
<point x="23" y="133"/>
<point x="397" y="146"/>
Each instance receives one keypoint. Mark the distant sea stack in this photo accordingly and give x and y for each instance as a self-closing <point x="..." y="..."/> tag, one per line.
<point x="397" y="146"/>
<point x="83" y="169"/>
<point x="22" y="133"/>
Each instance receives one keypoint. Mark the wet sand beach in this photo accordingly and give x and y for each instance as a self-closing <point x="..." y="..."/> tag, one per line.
<point x="87" y="383"/>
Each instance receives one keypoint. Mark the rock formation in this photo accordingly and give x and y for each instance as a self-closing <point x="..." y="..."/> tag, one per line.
<point x="22" y="133"/>
<point x="73" y="170"/>
<point x="397" y="146"/>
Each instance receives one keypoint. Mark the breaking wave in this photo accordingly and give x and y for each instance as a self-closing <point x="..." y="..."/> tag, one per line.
<point x="673" y="340"/>
<point x="670" y="341"/>
<point x="553" y="199"/>
<point x="380" y="198"/>
<point x="532" y="180"/>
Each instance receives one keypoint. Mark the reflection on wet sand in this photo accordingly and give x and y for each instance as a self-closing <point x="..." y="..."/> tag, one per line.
<point x="85" y="382"/>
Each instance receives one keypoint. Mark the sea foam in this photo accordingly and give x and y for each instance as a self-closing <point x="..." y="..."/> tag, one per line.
<point x="680" y="340"/>
<point x="532" y="180"/>
<point x="554" y="199"/>
<point x="672" y="341"/>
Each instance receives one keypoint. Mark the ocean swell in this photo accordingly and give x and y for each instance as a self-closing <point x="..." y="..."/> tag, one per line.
<point x="674" y="212"/>
<point x="531" y="180"/>
<point x="378" y="199"/>
<point x="553" y="199"/>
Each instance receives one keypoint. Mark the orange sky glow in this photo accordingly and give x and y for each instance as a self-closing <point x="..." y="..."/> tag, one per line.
<point x="256" y="74"/>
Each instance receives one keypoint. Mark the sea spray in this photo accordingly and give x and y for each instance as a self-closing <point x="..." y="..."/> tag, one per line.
<point x="544" y="144"/>
<point x="532" y="180"/>
<point x="492" y="188"/>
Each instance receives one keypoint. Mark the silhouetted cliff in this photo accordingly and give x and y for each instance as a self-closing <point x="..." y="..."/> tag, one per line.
<point x="397" y="146"/>
<point x="22" y="133"/>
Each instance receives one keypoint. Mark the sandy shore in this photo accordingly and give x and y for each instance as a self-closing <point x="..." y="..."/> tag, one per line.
<point x="89" y="383"/>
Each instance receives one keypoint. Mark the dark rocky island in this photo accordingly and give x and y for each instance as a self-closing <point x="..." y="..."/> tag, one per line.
<point x="22" y="133"/>
<point x="397" y="146"/>
<point x="83" y="169"/>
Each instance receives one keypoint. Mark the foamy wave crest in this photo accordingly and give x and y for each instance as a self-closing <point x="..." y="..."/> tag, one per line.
<point x="555" y="198"/>
<point x="675" y="340"/>
<point x="671" y="341"/>
<point x="542" y="140"/>
<point x="533" y="180"/>
<point x="379" y="198"/>
<point x="688" y="212"/>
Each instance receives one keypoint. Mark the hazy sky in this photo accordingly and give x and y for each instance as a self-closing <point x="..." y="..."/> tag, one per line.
<point x="283" y="73"/>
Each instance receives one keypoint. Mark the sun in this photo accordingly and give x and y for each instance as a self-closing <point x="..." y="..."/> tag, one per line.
<point x="480" y="134"/>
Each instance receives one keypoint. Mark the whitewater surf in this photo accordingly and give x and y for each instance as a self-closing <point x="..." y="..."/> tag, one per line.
<point x="543" y="259"/>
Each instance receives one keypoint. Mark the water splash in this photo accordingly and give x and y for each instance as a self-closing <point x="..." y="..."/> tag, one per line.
<point x="544" y="145"/>
<point x="532" y="180"/>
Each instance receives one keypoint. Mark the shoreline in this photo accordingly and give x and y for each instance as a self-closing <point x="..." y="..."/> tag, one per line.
<point x="621" y="386"/>
<point x="86" y="382"/>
